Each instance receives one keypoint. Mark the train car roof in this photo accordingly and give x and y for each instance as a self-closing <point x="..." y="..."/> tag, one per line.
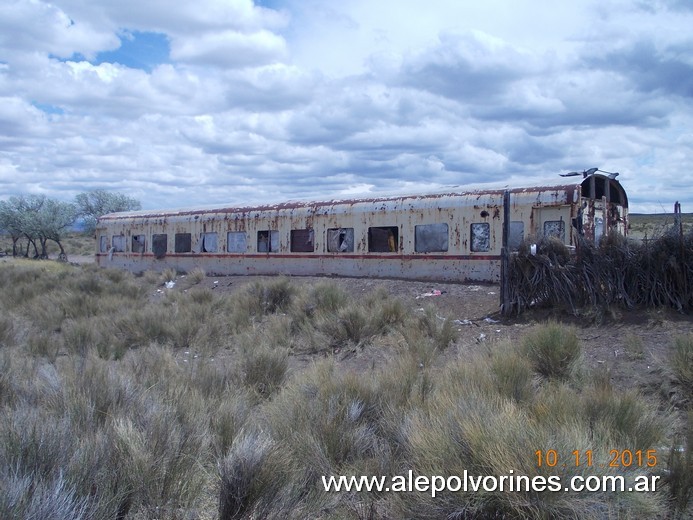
<point x="291" y="205"/>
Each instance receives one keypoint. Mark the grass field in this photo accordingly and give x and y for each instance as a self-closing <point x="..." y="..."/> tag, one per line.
<point x="120" y="398"/>
<point x="643" y="225"/>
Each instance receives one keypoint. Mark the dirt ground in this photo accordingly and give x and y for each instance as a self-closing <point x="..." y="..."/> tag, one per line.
<point x="634" y="346"/>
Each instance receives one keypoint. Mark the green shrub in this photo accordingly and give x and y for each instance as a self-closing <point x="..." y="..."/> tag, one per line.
<point x="196" y="275"/>
<point x="679" y="476"/>
<point x="264" y="369"/>
<point x="623" y="417"/>
<point x="327" y="298"/>
<point x="273" y="296"/>
<point x="439" y="329"/>
<point x="513" y="375"/>
<point x="554" y="350"/>
<point x="682" y="365"/>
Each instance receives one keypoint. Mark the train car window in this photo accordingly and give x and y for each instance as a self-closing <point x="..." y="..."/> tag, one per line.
<point x="103" y="244"/>
<point x="137" y="244"/>
<point x="207" y="243"/>
<point x="302" y="241"/>
<point x="383" y="239"/>
<point x="555" y="228"/>
<point x="517" y="235"/>
<point x="615" y="193"/>
<point x="159" y="245"/>
<point x="118" y="243"/>
<point x="183" y="243"/>
<point x="236" y="242"/>
<point x="268" y="241"/>
<point x="429" y="238"/>
<point x="481" y="237"/>
<point x="340" y="240"/>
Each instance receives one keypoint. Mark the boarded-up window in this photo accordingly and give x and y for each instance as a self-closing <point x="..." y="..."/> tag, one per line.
<point x="137" y="245"/>
<point x="430" y="238"/>
<point x="555" y="228"/>
<point x="103" y="244"/>
<point x="268" y="241"/>
<point x="383" y="239"/>
<point x="236" y="242"/>
<point x="208" y="243"/>
<point x="481" y="237"/>
<point x="183" y="243"/>
<point x="302" y="241"/>
<point x="118" y="243"/>
<point x="340" y="240"/>
<point x="517" y="235"/>
<point x="159" y="245"/>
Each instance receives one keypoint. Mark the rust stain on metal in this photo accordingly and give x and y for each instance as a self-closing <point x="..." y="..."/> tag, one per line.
<point x="530" y="206"/>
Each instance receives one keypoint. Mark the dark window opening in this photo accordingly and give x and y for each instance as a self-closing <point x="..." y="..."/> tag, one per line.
<point x="138" y="244"/>
<point x="383" y="239"/>
<point x="517" y="235"/>
<point x="598" y="190"/>
<point x="302" y="241"/>
<point x="103" y="244"/>
<point x="268" y="241"/>
<point x="481" y="237"/>
<point x="183" y="242"/>
<point x="615" y="193"/>
<point x="159" y="245"/>
<point x="429" y="238"/>
<point x="340" y="240"/>
<point x="118" y="243"/>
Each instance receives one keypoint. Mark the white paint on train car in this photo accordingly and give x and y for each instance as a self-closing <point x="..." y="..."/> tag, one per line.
<point x="294" y="238"/>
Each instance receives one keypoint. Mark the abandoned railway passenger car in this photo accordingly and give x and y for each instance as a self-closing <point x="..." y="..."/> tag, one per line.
<point x="448" y="237"/>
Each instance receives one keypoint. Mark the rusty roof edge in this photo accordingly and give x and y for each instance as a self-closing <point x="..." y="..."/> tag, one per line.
<point x="201" y="210"/>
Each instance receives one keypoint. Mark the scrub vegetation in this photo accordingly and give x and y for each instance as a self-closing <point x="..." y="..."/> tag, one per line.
<point x="121" y="398"/>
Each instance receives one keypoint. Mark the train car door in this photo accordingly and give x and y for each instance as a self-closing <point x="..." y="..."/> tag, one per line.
<point x="552" y="221"/>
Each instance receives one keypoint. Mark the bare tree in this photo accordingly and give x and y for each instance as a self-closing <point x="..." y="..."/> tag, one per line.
<point x="10" y="221"/>
<point x="52" y="220"/>
<point x="17" y="217"/>
<point x="93" y="204"/>
<point x="38" y="219"/>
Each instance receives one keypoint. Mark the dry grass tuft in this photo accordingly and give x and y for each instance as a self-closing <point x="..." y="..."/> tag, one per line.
<point x="121" y="401"/>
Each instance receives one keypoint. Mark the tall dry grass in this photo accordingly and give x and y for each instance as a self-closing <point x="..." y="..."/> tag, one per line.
<point x="123" y="399"/>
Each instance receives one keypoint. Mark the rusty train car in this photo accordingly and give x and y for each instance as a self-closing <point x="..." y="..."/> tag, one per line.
<point x="446" y="236"/>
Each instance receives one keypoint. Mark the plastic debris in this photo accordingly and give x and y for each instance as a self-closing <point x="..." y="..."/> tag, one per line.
<point x="490" y="320"/>
<point x="170" y="284"/>
<point x="434" y="292"/>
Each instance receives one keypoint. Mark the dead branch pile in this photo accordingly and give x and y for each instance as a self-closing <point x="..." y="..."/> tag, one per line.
<point x="618" y="272"/>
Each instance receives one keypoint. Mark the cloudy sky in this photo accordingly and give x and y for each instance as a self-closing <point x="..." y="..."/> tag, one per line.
<point x="235" y="101"/>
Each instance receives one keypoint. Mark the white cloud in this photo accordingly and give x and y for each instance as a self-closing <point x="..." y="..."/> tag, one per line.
<point x="229" y="49"/>
<point x="31" y="26"/>
<point x="319" y="100"/>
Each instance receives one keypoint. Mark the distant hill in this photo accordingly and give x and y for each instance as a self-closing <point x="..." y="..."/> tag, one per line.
<point x="654" y="224"/>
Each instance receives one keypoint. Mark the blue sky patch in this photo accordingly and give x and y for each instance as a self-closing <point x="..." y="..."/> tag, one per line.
<point x="138" y="50"/>
<point x="48" y="109"/>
